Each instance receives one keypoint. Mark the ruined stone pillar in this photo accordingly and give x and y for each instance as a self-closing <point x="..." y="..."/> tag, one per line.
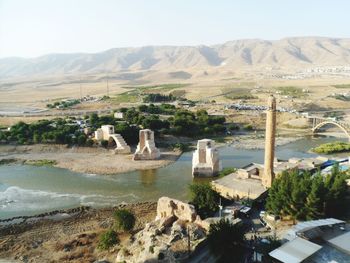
<point x="270" y="134"/>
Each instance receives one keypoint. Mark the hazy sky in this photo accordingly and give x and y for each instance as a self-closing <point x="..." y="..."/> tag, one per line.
<point x="31" y="28"/>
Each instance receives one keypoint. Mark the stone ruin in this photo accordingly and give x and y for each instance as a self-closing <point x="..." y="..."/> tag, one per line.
<point x="146" y="148"/>
<point x="167" y="207"/>
<point x="170" y="210"/>
<point x="168" y="237"/>
<point x="205" y="161"/>
<point x="106" y="132"/>
<point x="176" y="228"/>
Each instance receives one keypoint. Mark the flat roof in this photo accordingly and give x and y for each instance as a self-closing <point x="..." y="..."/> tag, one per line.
<point x="295" y="251"/>
<point x="306" y="225"/>
<point x="341" y="242"/>
<point x="251" y="187"/>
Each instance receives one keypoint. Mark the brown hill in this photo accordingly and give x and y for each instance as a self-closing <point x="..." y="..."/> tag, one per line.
<point x="183" y="61"/>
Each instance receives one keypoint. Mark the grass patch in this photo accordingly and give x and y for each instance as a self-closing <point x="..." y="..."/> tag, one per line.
<point x="341" y="97"/>
<point x="342" y="86"/>
<point x="178" y="93"/>
<point x="125" y="97"/>
<point x="292" y="91"/>
<point x="332" y="147"/>
<point x="238" y="93"/>
<point x="133" y="95"/>
<point x="227" y="171"/>
<point x="43" y="162"/>
<point x="160" y="87"/>
<point x="7" y="161"/>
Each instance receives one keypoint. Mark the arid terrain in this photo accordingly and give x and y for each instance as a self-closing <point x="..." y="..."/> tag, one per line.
<point x="65" y="236"/>
<point x="314" y="66"/>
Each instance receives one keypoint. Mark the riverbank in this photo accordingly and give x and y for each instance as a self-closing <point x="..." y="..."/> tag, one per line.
<point x="65" y="235"/>
<point x="257" y="142"/>
<point x="84" y="159"/>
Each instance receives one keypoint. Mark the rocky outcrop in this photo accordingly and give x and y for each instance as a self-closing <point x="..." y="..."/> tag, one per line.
<point x="171" y="237"/>
<point x="160" y="240"/>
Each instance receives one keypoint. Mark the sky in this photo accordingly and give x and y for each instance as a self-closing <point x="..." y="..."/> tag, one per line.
<point x="30" y="28"/>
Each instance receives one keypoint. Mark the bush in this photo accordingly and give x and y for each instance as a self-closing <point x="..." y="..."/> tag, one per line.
<point x="204" y="198"/>
<point x="248" y="127"/>
<point x="225" y="240"/>
<point x="124" y="219"/>
<point x="232" y="127"/>
<point x="89" y="142"/>
<point x="108" y="239"/>
<point x="104" y="143"/>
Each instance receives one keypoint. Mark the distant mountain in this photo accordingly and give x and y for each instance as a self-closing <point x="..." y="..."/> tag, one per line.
<point x="248" y="54"/>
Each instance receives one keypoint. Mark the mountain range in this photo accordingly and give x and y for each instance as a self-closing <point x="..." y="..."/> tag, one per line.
<point x="287" y="53"/>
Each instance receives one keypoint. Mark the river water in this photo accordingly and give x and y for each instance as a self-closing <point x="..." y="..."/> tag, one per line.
<point x="29" y="190"/>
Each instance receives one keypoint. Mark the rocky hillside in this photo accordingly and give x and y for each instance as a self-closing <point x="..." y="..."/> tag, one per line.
<point x="254" y="53"/>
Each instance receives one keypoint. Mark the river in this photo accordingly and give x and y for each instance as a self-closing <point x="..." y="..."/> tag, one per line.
<point x="29" y="190"/>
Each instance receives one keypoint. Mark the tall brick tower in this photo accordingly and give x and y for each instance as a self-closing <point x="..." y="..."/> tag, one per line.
<point x="270" y="133"/>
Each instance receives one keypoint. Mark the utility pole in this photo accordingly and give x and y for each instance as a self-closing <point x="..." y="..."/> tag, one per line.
<point x="188" y="241"/>
<point x="107" y="86"/>
<point x="81" y="91"/>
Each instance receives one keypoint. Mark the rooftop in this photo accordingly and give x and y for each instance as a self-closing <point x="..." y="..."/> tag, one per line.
<point x="341" y="242"/>
<point x="295" y="251"/>
<point x="308" y="225"/>
<point x="246" y="186"/>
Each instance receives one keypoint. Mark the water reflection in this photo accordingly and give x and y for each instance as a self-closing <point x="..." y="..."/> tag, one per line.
<point x="148" y="177"/>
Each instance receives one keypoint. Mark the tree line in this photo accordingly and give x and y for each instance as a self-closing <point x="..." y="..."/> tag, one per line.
<point x="179" y="122"/>
<point x="305" y="197"/>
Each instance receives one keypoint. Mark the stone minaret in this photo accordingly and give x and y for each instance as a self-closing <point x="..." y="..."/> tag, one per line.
<point x="268" y="175"/>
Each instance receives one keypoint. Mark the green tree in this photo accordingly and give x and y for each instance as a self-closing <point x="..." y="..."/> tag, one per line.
<point x="81" y="140"/>
<point x="316" y="198"/>
<point x="124" y="219"/>
<point x="89" y="142"/>
<point x="204" y="198"/>
<point x="225" y="240"/>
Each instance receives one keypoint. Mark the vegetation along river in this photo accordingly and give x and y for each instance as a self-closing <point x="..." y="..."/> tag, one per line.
<point x="28" y="190"/>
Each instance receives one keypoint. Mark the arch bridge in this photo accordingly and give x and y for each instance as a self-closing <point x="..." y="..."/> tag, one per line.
<point x="318" y="123"/>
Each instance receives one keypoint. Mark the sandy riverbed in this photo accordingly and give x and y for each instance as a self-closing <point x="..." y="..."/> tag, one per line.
<point x="250" y="142"/>
<point x="84" y="159"/>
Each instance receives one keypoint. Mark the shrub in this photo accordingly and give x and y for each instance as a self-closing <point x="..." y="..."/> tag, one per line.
<point x="89" y="142"/>
<point x="124" y="219"/>
<point x="108" y="239"/>
<point x="248" y="127"/>
<point x="204" y="198"/>
<point x="225" y="240"/>
<point x="104" y="143"/>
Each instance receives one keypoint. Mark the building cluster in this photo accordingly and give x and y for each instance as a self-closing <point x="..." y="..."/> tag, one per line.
<point x="323" y="240"/>
<point x="253" y="180"/>
<point x="251" y="107"/>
